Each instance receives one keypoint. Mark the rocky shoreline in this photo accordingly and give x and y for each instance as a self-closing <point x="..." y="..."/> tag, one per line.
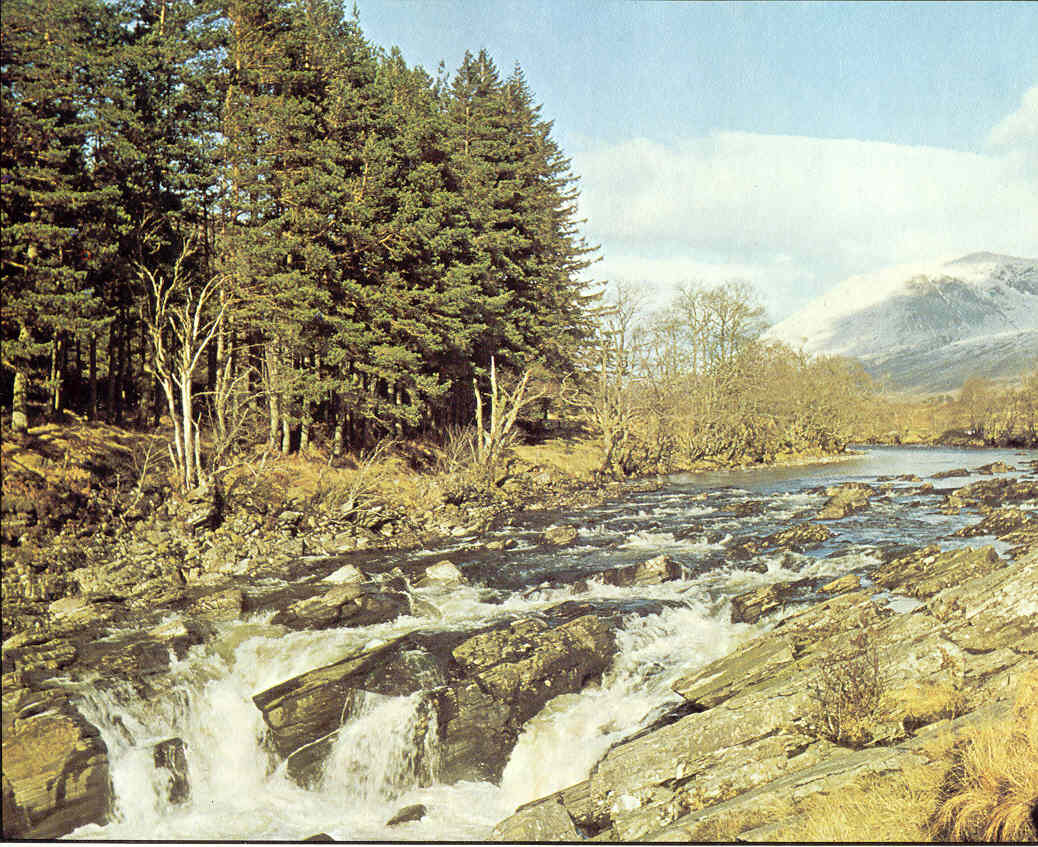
<point x="753" y="724"/>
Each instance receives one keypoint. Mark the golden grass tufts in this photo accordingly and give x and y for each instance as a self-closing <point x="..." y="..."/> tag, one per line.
<point x="881" y="807"/>
<point x="991" y="790"/>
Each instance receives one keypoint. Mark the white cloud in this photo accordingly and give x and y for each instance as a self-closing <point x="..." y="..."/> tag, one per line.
<point x="1020" y="129"/>
<point x="795" y="214"/>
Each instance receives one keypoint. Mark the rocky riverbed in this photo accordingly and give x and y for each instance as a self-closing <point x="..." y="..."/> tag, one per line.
<point x="669" y="656"/>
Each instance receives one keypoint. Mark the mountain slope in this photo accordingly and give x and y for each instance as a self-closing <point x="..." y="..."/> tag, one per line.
<point x="926" y="328"/>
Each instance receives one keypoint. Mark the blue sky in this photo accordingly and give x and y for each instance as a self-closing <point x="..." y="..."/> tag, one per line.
<point x="790" y="144"/>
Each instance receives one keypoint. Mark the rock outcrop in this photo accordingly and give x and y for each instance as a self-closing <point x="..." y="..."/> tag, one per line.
<point x="845" y="500"/>
<point x="760" y="732"/>
<point x="55" y="766"/>
<point x="482" y="688"/>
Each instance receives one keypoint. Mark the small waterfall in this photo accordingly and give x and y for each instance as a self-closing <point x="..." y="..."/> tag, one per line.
<point x="559" y="746"/>
<point x="387" y="746"/>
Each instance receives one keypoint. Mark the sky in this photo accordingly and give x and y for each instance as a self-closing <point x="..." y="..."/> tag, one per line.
<point x="790" y="145"/>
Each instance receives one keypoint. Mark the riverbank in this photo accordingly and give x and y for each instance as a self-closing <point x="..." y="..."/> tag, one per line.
<point x="96" y="497"/>
<point x="507" y="658"/>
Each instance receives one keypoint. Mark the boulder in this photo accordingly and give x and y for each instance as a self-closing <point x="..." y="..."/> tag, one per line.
<point x="344" y="605"/>
<point x="346" y="575"/>
<point x="55" y="767"/>
<point x="559" y="535"/>
<point x="408" y="814"/>
<point x="951" y="474"/>
<point x="745" y="509"/>
<point x="752" y="606"/>
<point x="547" y="821"/>
<point x="170" y="756"/>
<point x="994" y="493"/>
<point x="508" y="675"/>
<point x="443" y="573"/>
<point x="799" y="536"/>
<point x="652" y="572"/>
<point x="995" y="467"/>
<point x="845" y="500"/>
<point x="998" y="522"/>
<point x="226" y="605"/>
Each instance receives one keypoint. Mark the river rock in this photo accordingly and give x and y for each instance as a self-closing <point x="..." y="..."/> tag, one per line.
<point x="344" y="605"/>
<point x="993" y="493"/>
<point x="752" y="741"/>
<point x="752" y="606"/>
<point x="745" y="509"/>
<point x="226" y="605"/>
<point x="925" y="572"/>
<point x="559" y="535"/>
<point x="443" y="573"/>
<point x="312" y="705"/>
<point x="547" y="821"/>
<point x="408" y="814"/>
<point x="845" y="500"/>
<point x="994" y="467"/>
<point x="799" y="536"/>
<point x="950" y="474"/>
<point x="170" y="756"/>
<point x="998" y="522"/>
<point x="509" y="675"/>
<point x="55" y="767"/>
<point x="651" y="572"/>
<point x="346" y="575"/>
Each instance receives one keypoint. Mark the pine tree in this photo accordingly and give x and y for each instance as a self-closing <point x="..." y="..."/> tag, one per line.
<point x="48" y="197"/>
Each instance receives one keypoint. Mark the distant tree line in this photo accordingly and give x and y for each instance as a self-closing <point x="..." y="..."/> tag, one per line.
<point x="244" y="214"/>
<point x="696" y="381"/>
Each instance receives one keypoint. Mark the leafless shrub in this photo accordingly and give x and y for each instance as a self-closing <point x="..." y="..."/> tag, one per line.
<point x="847" y="691"/>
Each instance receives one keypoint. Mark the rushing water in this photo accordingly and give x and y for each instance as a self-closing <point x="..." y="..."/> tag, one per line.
<point x="239" y="792"/>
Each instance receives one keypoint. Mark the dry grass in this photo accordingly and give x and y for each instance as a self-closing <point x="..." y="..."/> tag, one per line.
<point x="847" y="690"/>
<point x="567" y="457"/>
<point x="887" y="807"/>
<point x="991" y="791"/>
<point x="981" y="785"/>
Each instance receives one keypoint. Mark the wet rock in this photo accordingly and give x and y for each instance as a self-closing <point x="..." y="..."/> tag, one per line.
<point x="311" y="706"/>
<point x="752" y="606"/>
<point x="995" y="467"/>
<point x="745" y="509"/>
<point x="55" y="767"/>
<point x="346" y="575"/>
<point x="951" y="474"/>
<point x="320" y="838"/>
<point x="925" y="572"/>
<point x="999" y="522"/>
<point x="652" y="572"/>
<point x="509" y="674"/>
<point x="501" y="544"/>
<point x="850" y="582"/>
<point x="559" y="535"/>
<point x="345" y="605"/>
<point x="226" y="605"/>
<point x="170" y="756"/>
<point x="408" y="814"/>
<point x="441" y="574"/>
<point x="845" y="500"/>
<point x="799" y="536"/>
<point x="994" y="493"/>
<point x="547" y="821"/>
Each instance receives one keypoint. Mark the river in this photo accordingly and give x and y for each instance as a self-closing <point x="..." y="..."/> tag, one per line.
<point x="239" y="792"/>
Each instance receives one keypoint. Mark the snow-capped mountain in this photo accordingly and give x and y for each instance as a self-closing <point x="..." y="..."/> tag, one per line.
<point x="926" y="328"/>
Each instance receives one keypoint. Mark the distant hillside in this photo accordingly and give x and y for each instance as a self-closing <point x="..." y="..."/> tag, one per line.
<point x="926" y="328"/>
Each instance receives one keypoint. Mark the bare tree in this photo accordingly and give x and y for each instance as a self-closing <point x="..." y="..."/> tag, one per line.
<point x="182" y="316"/>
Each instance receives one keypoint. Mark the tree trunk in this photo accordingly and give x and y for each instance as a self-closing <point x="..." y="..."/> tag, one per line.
<point x="93" y="376"/>
<point x="20" y="394"/>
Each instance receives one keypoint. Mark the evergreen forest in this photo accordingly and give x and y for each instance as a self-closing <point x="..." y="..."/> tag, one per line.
<point x="246" y="216"/>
